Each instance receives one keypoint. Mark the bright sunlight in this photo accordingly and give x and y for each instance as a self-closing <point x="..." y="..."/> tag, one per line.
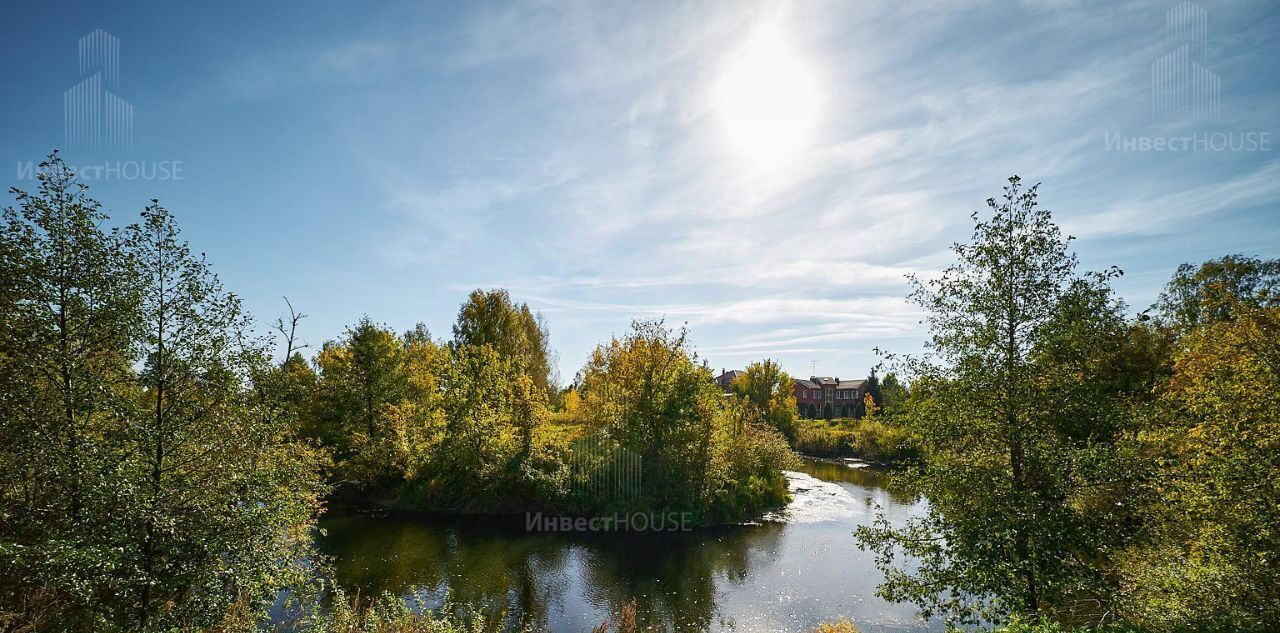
<point x="768" y="99"/>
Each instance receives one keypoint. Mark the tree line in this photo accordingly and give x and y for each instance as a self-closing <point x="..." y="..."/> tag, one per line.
<point x="160" y="469"/>
<point x="162" y="464"/>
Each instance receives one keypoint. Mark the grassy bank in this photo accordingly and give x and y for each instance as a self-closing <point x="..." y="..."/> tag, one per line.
<point x="870" y="439"/>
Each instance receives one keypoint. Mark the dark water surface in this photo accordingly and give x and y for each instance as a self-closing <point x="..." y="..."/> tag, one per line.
<point x="798" y="568"/>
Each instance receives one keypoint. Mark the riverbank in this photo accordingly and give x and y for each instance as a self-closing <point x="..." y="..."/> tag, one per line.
<point x="853" y="462"/>
<point x="871" y="440"/>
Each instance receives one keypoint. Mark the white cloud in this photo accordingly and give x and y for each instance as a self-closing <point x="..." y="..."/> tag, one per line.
<point x="616" y="196"/>
<point x="1169" y="212"/>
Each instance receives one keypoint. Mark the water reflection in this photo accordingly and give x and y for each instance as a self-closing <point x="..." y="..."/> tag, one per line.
<point x="768" y="577"/>
<point x="863" y="475"/>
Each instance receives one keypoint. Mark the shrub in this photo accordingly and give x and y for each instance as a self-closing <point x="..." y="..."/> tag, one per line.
<point x="872" y="439"/>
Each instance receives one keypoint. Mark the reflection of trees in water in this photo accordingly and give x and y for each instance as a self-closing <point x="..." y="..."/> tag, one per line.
<point x="514" y="576"/>
<point x="520" y="577"/>
<point x="672" y="577"/>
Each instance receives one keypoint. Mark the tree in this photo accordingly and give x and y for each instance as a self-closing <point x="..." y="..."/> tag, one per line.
<point x="1210" y="551"/>
<point x="1207" y="293"/>
<point x="220" y="499"/>
<point x="148" y="481"/>
<point x="491" y="318"/>
<point x="530" y="409"/>
<point x="893" y="393"/>
<point x="770" y="391"/>
<point x="648" y="392"/>
<point x="1017" y="430"/>
<point x="479" y="416"/>
<point x="874" y="389"/>
<point x="289" y="330"/>
<point x="362" y="376"/>
<point x="67" y="301"/>
<point x="700" y="452"/>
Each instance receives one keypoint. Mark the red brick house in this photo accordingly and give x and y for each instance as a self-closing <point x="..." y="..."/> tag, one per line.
<point x="819" y="396"/>
<point x="826" y="397"/>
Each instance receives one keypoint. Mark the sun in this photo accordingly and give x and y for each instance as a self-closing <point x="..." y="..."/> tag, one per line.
<point x="768" y="99"/>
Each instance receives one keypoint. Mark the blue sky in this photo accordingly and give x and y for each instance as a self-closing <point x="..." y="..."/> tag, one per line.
<point x="767" y="172"/>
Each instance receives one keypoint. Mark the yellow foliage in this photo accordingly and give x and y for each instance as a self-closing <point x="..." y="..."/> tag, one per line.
<point x="869" y="406"/>
<point x="840" y="626"/>
<point x="572" y="402"/>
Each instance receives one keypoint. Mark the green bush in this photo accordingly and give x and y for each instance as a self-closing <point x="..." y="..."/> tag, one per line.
<point x="871" y="439"/>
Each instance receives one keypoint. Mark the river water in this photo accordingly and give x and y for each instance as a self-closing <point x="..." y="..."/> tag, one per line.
<point x="795" y="569"/>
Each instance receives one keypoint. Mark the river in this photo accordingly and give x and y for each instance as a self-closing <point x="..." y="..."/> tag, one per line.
<point x="795" y="569"/>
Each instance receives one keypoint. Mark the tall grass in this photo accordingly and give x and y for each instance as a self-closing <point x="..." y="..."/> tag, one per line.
<point x="870" y="439"/>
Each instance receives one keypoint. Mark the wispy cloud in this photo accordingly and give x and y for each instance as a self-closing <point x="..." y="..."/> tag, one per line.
<point x="1169" y="212"/>
<point x="589" y="166"/>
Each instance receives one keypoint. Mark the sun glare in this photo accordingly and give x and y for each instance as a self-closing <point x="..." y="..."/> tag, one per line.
<point x="768" y="99"/>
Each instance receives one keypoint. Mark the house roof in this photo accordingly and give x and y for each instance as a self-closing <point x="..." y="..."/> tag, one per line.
<point x="815" y="382"/>
<point x="726" y="378"/>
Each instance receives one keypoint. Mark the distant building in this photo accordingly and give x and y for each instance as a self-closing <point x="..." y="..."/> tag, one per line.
<point x="726" y="378"/>
<point x="826" y="397"/>
<point x="817" y="397"/>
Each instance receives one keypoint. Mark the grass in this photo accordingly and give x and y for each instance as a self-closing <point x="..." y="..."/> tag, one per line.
<point x="870" y="439"/>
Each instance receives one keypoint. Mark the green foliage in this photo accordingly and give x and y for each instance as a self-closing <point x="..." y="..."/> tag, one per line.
<point x="158" y="471"/>
<point x="840" y="626"/>
<point x="893" y="395"/>
<point x="1016" y="427"/>
<point x="150" y="476"/>
<point x="745" y="471"/>
<point x="769" y="391"/>
<point x="314" y="611"/>
<point x="514" y="331"/>
<point x="648" y="392"/>
<point x="1019" y="625"/>
<point x="874" y="389"/>
<point x="1205" y="293"/>
<point x="68" y="314"/>
<point x="875" y="439"/>
<point x="412" y="422"/>
<point x="364" y="379"/>
<point x="1210" y="555"/>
